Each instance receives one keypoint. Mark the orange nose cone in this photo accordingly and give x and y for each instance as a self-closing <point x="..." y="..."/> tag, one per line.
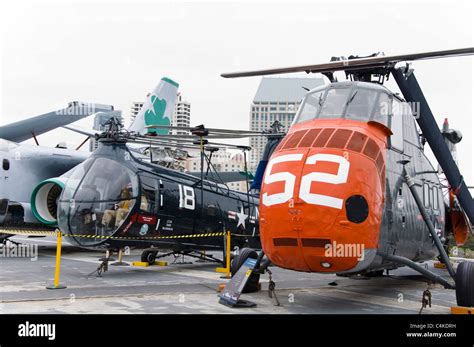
<point x="321" y="206"/>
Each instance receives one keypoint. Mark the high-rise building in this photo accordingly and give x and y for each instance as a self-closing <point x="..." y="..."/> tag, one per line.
<point x="223" y="161"/>
<point x="136" y="107"/>
<point x="276" y="99"/>
<point x="99" y="125"/>
<point x="181" y="114"/>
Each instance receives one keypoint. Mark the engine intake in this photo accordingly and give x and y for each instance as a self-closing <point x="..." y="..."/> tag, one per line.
<point x="44" y="200"/>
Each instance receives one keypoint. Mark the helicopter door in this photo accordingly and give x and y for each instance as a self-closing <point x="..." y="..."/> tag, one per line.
<point x="148" y="208"/>
<point x="209" y="215"/>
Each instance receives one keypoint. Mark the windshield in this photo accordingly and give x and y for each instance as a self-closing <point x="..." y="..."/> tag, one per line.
<point x="382" y="109"/>
<point x="312" y="105"/>
<point x="334" y="103"/>
<point x="75" y="176"/>
<point x="100" y="202"/>
<point x="360" y="104"/>
<point x="348" y="102"/>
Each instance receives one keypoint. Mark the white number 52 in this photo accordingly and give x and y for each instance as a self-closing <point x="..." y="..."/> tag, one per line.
<point x="306" y="181"/>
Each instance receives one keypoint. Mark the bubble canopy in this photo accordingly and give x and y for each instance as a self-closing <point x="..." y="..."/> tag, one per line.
<point x="97" y="199"/>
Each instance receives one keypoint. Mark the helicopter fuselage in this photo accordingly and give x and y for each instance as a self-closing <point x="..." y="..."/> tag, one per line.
<point x="333" y="193"/>
<point x="113" y="200"/>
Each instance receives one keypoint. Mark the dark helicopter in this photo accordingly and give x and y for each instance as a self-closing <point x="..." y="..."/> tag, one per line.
<point x="116" y="199"/>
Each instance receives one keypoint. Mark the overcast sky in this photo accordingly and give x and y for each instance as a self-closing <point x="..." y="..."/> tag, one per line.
<point x="116" y="52"/>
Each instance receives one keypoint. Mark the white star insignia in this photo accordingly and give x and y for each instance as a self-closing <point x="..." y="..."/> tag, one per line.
<point x="242" y="217"/>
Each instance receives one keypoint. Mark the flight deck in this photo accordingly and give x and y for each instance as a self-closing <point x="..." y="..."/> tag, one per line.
<point x="189" y="286"/>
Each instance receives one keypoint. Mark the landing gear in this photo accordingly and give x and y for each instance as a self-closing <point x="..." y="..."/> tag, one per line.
<point x="149" y="256"/>
<point x="120" y="261"/>
<point x="434" y="236"/>
<point x="245" y="253"/>
<point x="104" y="265"/>
<point x="465" y="284"/>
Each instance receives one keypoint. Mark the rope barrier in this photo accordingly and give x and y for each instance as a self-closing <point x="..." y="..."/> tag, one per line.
<point x="89" y="236"/>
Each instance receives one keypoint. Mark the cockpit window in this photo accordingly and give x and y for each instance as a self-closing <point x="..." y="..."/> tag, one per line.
<point x="100" y="202"/>
<point x="108" y="179"/>
<point x="311" y="107"/>
<point x="383" y="109"/>
<point x="335" y="102"/>
<point x="361" y="104"/>
<point x="75" y="177"/>
<point x="354" y="101"/>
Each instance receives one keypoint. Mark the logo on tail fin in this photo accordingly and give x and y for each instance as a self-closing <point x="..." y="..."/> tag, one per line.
<point x="156" y="115"/>
<point x="157" y="109"/>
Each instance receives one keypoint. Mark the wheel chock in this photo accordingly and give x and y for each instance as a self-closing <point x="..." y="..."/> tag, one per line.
<point x="146" y="264"/>
<point x="462" y="310"/>
<point x="140" y="263"/>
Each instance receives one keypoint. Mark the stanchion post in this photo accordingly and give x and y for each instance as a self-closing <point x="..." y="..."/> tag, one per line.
<point x="226" y="269"/>
<point x="227" y="266"/>
<point x="57" y="270"/>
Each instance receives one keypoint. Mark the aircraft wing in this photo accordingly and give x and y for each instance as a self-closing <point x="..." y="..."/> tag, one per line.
<point x="25" y="129"/>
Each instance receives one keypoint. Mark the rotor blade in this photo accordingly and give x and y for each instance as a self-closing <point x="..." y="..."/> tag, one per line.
<point x="166" y="142"/>
<point x="187" y="143"/>
<point x="195" y="142"/>
<point x="187" y="146"/>
<point x="81" y="131"/>
<point x="216" y="136"/>
<point x="214" y="130"/>
<point x="354" y="64"/>
<point x="144" y="142"/>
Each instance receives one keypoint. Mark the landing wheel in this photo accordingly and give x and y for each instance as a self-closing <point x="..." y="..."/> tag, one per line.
<point x="465" y="284"/>
<point x="148" y="257"/>
<point x="252" y="283"/>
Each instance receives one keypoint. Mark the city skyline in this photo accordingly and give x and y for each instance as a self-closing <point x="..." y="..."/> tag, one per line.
<point x="95" y="58"/>
<point x="276" y="99"/>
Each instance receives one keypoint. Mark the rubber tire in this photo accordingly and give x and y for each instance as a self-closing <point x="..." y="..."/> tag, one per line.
<point x="465" y="284"/>
<point x="148" y="257"/>
<point x="252" y="283"/>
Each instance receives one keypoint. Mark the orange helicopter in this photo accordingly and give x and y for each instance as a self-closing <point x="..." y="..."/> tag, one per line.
<point x="349" y="189"/>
